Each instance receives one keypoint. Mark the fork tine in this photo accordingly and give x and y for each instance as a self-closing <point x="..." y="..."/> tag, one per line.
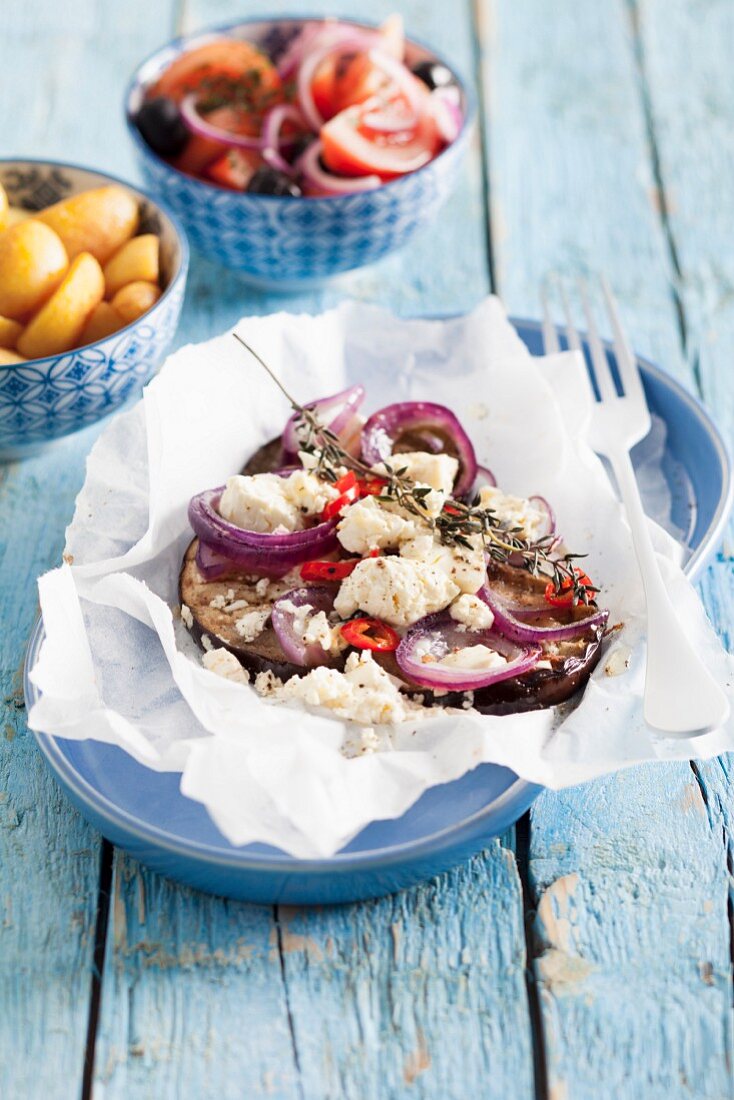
<point x="626" y="361"/>
<point x="574" y="340"/>
<point x="599" y="360"/>
<point x="550" y="332"/>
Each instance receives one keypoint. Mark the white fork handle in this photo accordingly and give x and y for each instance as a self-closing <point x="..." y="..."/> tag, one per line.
<point x="681" y="696"/>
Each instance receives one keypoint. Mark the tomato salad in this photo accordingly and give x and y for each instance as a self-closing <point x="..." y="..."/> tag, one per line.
<point x="329" y="109"/>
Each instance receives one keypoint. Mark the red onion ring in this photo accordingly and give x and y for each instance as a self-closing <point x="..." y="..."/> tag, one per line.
<point x="307" y="70"/>
<point x="447" y="113"/>
<point x="507" y="621"/>
<point x="197" y="125"/>
<point x="543" y="506"/>
<point x="295" y="649"/>
<point x="409" y="85"/>
<point x="309" y="165"/>
<point x="341" y="407"/>
<point x="253" y="551"/>
<point x="385" y="427"/>
<point x="484" y="477"/>
<point x="270" y="139"/>
<point x="321" y="35"/>
<point x="443" y="637"/>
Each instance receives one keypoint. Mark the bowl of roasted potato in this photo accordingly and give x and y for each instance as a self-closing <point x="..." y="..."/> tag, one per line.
<point x="92" y="277"/>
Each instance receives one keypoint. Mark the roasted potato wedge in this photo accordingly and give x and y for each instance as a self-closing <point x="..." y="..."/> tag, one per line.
<point x="136" y="261"/>
<point x="97" y="221"/>
<point x="58" y="324"/>
<point x="102" y="321"/>
<point x="4" y="207"/>
<point x="9" y="332"/>
<point x="8" y="357"/>
<point x="135" y="299"/>
<point x="33" y="262"/>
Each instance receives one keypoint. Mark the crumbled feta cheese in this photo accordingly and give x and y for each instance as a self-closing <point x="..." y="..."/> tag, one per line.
<point x="514" y="511"/>
<point x="314" y="629"/>
<point x="319" y="631"/>
<point x="366" y="526"/>
<point x="270" y="504"/>
<point x="472" y="612"/>
<point x="395" y="590"/>
<point x="363" y="692"/>
<point x="464" y="566"/>
<point x="474" y="658"/>
<point x="186" y="616"/>
<point x="438" y="471"/>
<point x="225" y="664"/>
<point x="262" y="586"/>
<point x="219" y="602"/>
<point x="267" y="683"/>
<point x="207" y="643"/>
<point x="369" y="741"/>
<point x="251" y="625"/>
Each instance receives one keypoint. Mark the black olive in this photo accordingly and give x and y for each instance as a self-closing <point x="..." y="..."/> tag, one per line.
<point x="434" y="74"/>
<point x="159" y="121"/>
<point x="268" y="181"/>
<point x="298" y="148"/>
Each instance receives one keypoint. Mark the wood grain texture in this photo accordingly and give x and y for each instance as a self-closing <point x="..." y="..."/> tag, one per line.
<point x="629" y="874"/>
<point x="49" y="858"/>
<point x="54" y="63"/>
<point x="421" y="993"/>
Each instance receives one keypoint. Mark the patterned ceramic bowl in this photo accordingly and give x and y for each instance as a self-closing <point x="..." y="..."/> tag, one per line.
<point x="281" y="242"/>
<point x="45" y="399"/>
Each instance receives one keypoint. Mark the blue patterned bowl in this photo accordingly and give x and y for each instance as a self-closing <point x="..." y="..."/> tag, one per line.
<point x="287" y="243"/>
<point x="45" y="399"/>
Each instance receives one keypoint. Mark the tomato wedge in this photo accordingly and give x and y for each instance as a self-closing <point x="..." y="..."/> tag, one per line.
<point x="352" y="149"/>
<point x="235" y="168"/>
<point x="227" y="73"/>
<point x="345" y="79"/>
<point x="328" y="570"/>
<point x="370" y="634"/>
<point x="564" y="598"/>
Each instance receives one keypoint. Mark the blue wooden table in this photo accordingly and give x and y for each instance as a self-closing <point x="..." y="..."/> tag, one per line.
<point x="589" y="954"/>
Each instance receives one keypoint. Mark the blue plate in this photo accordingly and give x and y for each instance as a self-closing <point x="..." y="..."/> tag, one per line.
<point x="144" y="812"/>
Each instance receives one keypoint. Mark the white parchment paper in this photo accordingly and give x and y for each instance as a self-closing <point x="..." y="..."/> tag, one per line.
<point x="117" y="665"/>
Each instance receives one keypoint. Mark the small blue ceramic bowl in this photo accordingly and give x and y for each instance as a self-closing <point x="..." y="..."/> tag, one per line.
<point x="285" y="243"/>
<point x="45" y="399"/>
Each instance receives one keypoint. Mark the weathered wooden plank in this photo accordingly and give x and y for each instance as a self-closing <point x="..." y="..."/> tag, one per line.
<point x="423" y="991"/>
<point x="414" y="994"/>
<point x="628" y="874"/>
<point x="685" y="54"/>
<point x="49" y="858"/>
<point x="54" y="64"/>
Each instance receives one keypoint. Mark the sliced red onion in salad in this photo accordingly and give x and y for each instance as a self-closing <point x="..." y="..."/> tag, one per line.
<point x="415" y="426"/>
<point x="223" y="545"/>
<point x="326" y="183"/>
<point x="271" y="140"/>
<point x="520" y="624"/>
<point x="437" y="636"/>
<point x="446" y="108"/>
<point x="307" y="71"/>
<point x="199" y="126"/>
<point x="283" y="618"/>
<point x="335" y="413"/>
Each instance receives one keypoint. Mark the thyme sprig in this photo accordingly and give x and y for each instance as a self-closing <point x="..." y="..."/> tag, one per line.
<point x="458" y="522"/>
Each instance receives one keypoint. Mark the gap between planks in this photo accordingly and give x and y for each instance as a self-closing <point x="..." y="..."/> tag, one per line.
<point x="104" y="894"/>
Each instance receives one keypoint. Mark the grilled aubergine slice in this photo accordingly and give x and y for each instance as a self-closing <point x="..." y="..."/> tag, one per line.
<point x="564" y="666"/>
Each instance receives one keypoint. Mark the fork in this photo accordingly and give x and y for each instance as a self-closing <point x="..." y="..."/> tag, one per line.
<point x="681" y="699"/>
